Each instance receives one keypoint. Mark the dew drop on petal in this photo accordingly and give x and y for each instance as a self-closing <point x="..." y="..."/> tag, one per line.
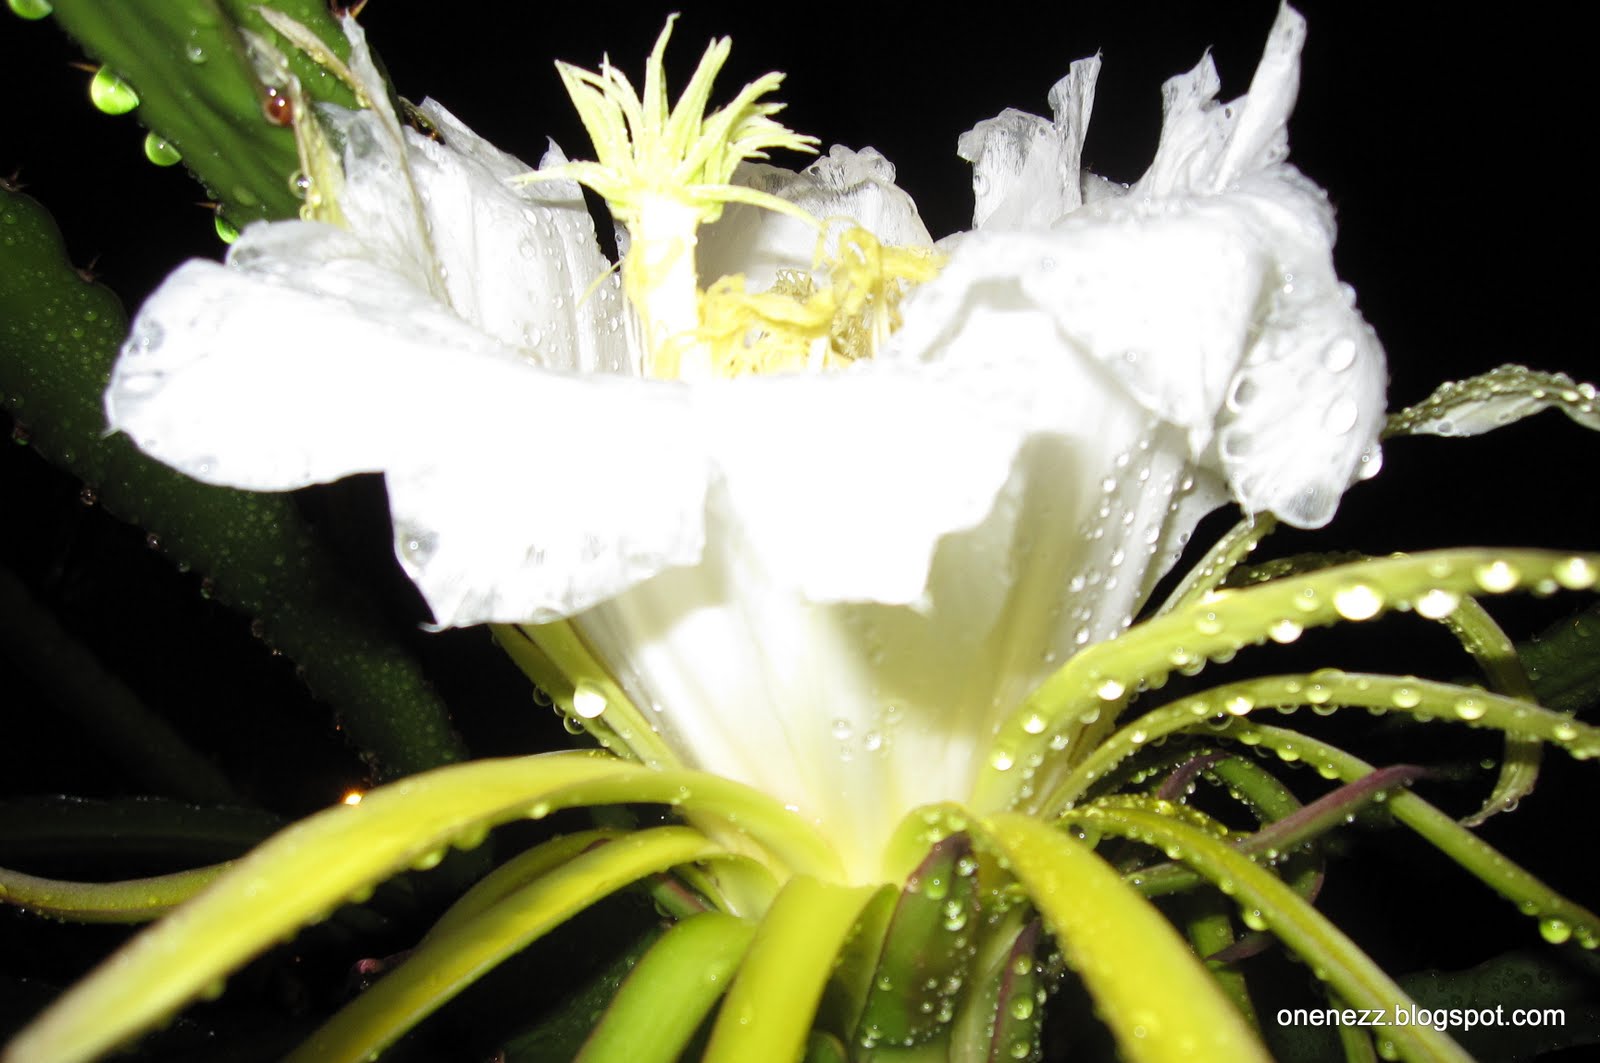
<point x="1001" y="760"/>
<point x="1034" y="724"/>
<point x="31" y="9"/>
<point x="416" y="547"/>
<point x="1341" y="415"/>
<point x="1339" y="355"/>
<point x="1406" y="697"/>
<point x="1238" y="705"/>
<point x="1468" y="708"/>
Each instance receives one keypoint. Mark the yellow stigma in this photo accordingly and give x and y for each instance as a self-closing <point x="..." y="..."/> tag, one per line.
<point x="648" y="151"/>
<point x="665" y="171"/>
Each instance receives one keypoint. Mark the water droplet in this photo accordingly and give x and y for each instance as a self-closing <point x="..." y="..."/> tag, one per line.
<point x="1496" y="577"/>
<point x="1001" y="760"/>
<point x="160" y="152"/>
<point x="417" y="547"/>
<point x="587" y="700"/>
<point x="1406" y="697"/>
<point x="1564" y="731"/>
<point x="841" y="729"/>
<point x="1357" y="602"/>
<point x="1575" y="573"/>
<point x="1437" y="604"/>
<point x="1555" y="931"/>
<point x="1341" y="415"/>
<point x="111" y="94"/>
<point x="1034" y="724"/>
<point x="1285" y="631"/>
<point x="31" y="9"/>
<point x="88" y="496"/>
<point x="1238" y="705"/>
<point x="1208" y="624"/>
<point x="1110" y="689"/>
<point x="1466" y="708"/>
<point x="1339" y="355"/>
<point x="227" y="232"/>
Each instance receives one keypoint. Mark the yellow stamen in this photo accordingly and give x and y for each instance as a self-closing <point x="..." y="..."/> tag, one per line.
<point x="798" y="325"/>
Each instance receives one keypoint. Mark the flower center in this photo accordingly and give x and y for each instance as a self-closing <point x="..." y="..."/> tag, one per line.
<point x="800" y="324"/>
<point x="666" y="171"/>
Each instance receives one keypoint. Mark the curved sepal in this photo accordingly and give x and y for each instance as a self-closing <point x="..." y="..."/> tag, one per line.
<point x="1154" y="994"/>
<point x="927" y="951"/>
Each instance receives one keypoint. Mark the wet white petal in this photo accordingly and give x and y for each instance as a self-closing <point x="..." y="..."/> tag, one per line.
<point x="1026" y="172"/>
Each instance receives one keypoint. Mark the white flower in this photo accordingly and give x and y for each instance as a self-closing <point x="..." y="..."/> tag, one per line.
<point x="830" y="586"/>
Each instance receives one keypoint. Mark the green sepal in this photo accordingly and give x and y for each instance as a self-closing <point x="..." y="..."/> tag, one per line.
<point x="927" y="950"/>
<point x="338" y="855"/>
<point x="978" y="1018"/>
<point x="825" y="1048"/>
<point x="137" y="900"/>
<point x="1154" y="994"/>
<point x="450" y="959"/>
<point x="670" y="991"/>
<point x="1331" y="954"/>
<point x="199" y="91"/>
<point x="768" y="1012"/>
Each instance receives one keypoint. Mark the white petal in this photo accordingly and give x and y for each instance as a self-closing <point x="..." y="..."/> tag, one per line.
<point x="519" y="261"/>
<point x="1207" y="147"/>
<point x="843" y="484"/>
<point x="855" y="186"/>
<point x="517" y="493"/>
<point x="1026" y="172"/>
